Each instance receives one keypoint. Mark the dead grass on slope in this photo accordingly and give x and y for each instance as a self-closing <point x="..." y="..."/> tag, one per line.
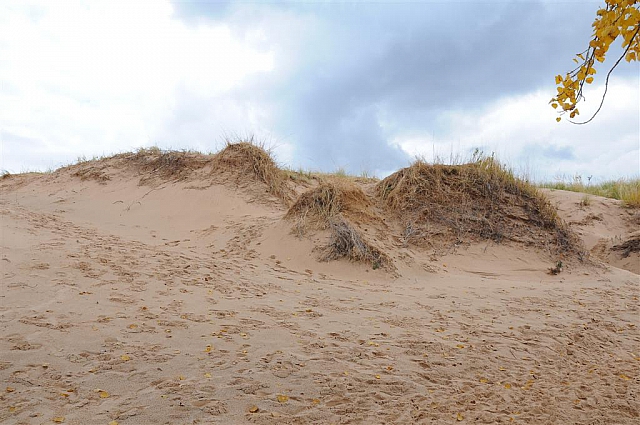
<point x="346" y="242"/>
<point x="478" y="200"/>
<point x="333" y="205"/>
<point x="317" y="207"/>
<point x="247" y="158"/>
<point x="158" y="164"/>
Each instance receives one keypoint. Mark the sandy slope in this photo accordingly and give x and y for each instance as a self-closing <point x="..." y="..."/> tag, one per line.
<point x="185" y="305"/>
<point x="603" y="224"/>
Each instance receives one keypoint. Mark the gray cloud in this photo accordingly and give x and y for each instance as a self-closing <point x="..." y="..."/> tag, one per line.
<point x="368" y="71"/>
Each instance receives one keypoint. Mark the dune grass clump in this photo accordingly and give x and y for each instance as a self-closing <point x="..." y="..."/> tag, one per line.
<point x="346" y="242"/>
<point x="317" y="207"/>
<point x="481" y="199"/>
<point x="625" y="190"/>
<point x="249" y="157"/>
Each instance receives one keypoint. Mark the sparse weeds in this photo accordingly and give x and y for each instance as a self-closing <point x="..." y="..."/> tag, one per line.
<point x="626" y="190"/>
<point x="5" y="175"/>
<point x="585" y="201"/>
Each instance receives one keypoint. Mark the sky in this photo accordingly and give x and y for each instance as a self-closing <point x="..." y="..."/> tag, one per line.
<point x="365" y="87"/>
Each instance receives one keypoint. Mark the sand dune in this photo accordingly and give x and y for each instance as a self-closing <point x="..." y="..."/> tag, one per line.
<point x="132" y="296"/>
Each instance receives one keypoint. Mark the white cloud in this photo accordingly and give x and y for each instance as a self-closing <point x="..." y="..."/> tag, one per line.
<point x="522" y="131"/>
<point x="89" y="77"/>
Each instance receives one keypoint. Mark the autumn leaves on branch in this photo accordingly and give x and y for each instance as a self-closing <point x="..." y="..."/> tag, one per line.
<point x="618" y="18"/>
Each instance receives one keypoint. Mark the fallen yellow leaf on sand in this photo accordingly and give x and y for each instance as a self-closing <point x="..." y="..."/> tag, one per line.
<point x="507" y="386"/>
<point x="207" y="375"/>
<point x="377" y="376"/>
<point x="12" y="409"/>
<point x="208" y="348"/>
<point x="625" y="377"/>
<point x="58" y="419"/>
<point x="132" y="326"/>
<point x="315" y="401"/>
<point x="113" y="423"/>
<point x="254" y="409"/>
<point x="483" y="380"/>
<point x="10" y="389"/>
<point x="104" y="394"/>
<point x="459" y="417"/>
<point x="460" y="346"/>
<point x="125" y="357"/>
<point x="282" y="398"/>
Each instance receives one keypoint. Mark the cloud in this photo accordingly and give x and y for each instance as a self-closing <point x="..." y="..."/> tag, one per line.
<point x="522" y="131"/>
<point x="103" y="76"/>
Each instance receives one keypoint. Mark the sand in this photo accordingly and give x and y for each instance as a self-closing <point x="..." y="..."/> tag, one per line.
<point x="185" y="303"/>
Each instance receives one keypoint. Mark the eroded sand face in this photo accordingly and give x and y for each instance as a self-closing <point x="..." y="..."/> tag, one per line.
<point x="185" y="306"/>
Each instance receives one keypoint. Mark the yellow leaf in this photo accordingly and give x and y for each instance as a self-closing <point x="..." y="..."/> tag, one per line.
<point x="580" y="56"/>
<point x="181" y="378"/>
<point x="208" y="348"/>
<point x="315" y="401"/>
<point x="104" y="394"/>
<point x="575" y="60"/>
<point x="125" y="357"/>
<point x="460" y="346"/>
<point x="377" y="376"/>
<point x="558" y="79"/>
<point x="12" y="409"/>
<point x="483" y="380"/>
<point x="113" y="423"/>
<point x="10" y="389"/>
<point x="64" y="395"/>
<point x="58" y="419"/>
<point x="132" y="326"/>
<point x="589" y="80"/>
<point x="242" y="334"/>
<point x="282" y="398"/>
<point x="507" y="386"/>
<point x="254" y="409"/>
<point x="459" y="417"/>
<point x="558" y="119"/>
<point x="625" y="377"/>
<point x="554" y="105"/>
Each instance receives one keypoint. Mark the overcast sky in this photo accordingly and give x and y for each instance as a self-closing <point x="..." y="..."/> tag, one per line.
<point x="363" y="86"/>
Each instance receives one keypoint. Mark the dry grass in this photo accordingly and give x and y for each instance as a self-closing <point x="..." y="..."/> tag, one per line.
<point x="92" y="173"/>
<point x="156" y="163"/>
<point x="481" y="199"/>
<point x="317" y="207"/>
<point x="329" y="206"/>
<point x="626" y="190"/>
<point x="247" y="157"/>
<point x="627" y="247"/>
<point x="346" y="242"/>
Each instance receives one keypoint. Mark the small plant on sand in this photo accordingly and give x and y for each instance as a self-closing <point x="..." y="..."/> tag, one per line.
<point x="555" y="270"/>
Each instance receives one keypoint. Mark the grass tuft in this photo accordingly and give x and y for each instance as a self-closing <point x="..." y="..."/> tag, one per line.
<point x="253" y="158"/>
<point x="346" y="242"/>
